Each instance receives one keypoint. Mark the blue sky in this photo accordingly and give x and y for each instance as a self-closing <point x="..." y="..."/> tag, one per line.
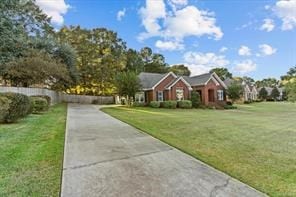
<point x="256" y="38"/>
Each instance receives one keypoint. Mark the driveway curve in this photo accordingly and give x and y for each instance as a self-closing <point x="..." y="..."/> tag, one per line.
<point x="106" y="157"/>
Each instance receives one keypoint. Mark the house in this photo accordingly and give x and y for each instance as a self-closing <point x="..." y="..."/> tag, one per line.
<point x="168" y="86"/>
<point x="269" y="90"/>
<point x="250" y="92"/>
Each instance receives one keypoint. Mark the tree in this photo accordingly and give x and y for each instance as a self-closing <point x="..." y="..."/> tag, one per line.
<point x="290" y="89"/>
<point x="127" y="84"/>
<point x="263" y="93"/>
<point x="19" y="21"/>
<point x="157" y="64"/>
<point x="100" y="55"/>
<point x="195" y="99"/>
<point x="134" y="61"/>
<point x="180" y="70"/>
<point x="274" y="93"/>
<point x="290" y="74"/>
<point x="37" y="68"/>
<point x="269" y="82"/>
<point x="223" y="73"/>
<point x="234" y="91"/>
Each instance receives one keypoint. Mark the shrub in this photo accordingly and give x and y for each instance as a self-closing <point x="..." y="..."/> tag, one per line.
<point x="39" y="105"/>
<point x="48" y="98"/>
<point x="170" y="104"/>
<point x="4" y="107"/>
<point x="185" y="104"/>
<point x="154" y="104"/>
<point x="228" y="103"/>
<point x="229" y="107"/>
<point x="195" y="99"/>
<point x="247" y="102"/>
<point x="138" y="104"/>
<point x="19" y="106"/>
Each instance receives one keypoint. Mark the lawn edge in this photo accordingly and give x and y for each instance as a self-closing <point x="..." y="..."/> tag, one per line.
<point x="183" y="151"/>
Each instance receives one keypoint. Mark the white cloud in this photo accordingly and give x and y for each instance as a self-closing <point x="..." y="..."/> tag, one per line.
<point x="179" y="2"/>
<point x="286" y="11"/>
<point x="190" y="21"/>
<point x="121" y="14"/>
<point x="266" y="50"/>
<point x="223" y="49"/>
<point x="56" y="9"/>
<point x="169" y="45"/>
<point x="245" y="66"/>
<point x="268" y="25"/>
<point x="150" y="15"/>
<point x="177" y="23"/>
<point x="244" y="51"/>
<point x="200" y="63"/>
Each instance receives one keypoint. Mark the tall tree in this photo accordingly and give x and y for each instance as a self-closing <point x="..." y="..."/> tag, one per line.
<point x="134" y="61"/>
<point x="100" y="55"/>
<point x="19" y="21"/>
<point x="180" y="70"/>
<point x="223" y="73"/>
<point x="290" y="74"/>
<point x="157" y="64"/>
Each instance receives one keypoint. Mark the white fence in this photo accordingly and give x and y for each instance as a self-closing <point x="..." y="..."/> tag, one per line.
<point x="58" y="97"/>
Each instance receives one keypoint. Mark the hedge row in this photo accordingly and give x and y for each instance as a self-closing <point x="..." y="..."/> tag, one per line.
<point x="185" y="104"/>
<point x="14" y="106"/>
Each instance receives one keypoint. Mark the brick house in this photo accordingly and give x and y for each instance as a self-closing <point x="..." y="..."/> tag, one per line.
<point x="168" y="86"/>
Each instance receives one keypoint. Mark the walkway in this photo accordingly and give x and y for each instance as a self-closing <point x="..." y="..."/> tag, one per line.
<point x="106" y="157"/>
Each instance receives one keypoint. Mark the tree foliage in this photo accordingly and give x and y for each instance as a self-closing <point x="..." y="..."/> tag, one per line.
<point x="234" y="91"/>
<point x="127" y="84"/>
<point x="134" y="61"/>
<point x="180" y="70"/>
<point x="263" y="94"/>
<point x="290" y="88"/>
<point x="100" y="55"/>
<point x="223" y="73"/>
<point x="19" y="21"/>
<point x="275" y="93"/>
<point x="268" y="82"/>
<point x="290" y="74"/>
<point x="37" y="68"/>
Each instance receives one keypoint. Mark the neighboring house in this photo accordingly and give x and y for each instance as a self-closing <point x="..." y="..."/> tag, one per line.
<point x="162" y="87"/>
<point x="269" y="90"/>
<point x="250" y="92"/>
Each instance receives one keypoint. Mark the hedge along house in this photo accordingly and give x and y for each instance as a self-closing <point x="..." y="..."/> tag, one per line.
<point x="162" y="87"/>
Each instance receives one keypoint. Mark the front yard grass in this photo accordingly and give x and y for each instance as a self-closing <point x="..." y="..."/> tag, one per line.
<point x="31" y="154"/>
<point x="255" y="143"/>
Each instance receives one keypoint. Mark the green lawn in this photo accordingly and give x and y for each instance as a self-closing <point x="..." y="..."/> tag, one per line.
<point x="255" y="144"/>
<point x="31" y="154"/>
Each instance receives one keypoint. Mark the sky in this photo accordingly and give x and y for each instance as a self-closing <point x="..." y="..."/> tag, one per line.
<point x="255" y="38"/>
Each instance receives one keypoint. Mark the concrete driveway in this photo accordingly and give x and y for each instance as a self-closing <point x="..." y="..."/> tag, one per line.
<point x="106" y="157"/>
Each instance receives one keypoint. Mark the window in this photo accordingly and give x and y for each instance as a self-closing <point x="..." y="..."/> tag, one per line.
<point x="220" y="95"/>
<point x="140" y="97"/>
<point x="160" y="95"/>
<point x="179" y="94"/>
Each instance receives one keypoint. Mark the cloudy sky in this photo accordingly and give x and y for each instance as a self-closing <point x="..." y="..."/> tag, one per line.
<point x="252" y="37"/>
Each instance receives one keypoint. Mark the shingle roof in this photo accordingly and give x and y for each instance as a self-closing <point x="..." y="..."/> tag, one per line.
<point x="148" y="80"/>
<point x="198" y="80"/>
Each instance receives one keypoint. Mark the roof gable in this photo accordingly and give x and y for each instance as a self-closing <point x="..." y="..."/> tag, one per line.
<point x="151" y="80"/>
<point x="170" y="85"/>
